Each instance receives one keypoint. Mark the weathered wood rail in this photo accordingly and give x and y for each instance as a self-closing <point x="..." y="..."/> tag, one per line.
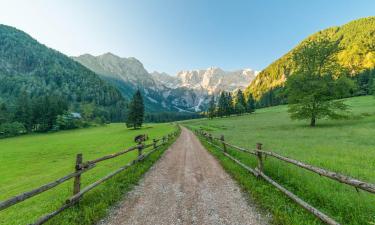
<point x="82" y="167"/>
<point x="259" y="172"/>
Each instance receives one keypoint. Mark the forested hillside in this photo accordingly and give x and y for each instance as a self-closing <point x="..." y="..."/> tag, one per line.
<point x="33" y="76"/>
<point x="355" y="57"/>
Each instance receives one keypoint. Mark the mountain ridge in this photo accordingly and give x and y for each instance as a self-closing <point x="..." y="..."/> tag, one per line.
<point x="27" y="66"/>
<point x="163" y="92"/>
<point x="356" y="40"/>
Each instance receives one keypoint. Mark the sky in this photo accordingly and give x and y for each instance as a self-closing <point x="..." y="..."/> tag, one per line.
<point x="173" y="35"/>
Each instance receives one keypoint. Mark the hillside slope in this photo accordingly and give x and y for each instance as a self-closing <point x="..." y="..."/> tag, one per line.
<point x="357" y="43"/>
<point x="28" y="66"/>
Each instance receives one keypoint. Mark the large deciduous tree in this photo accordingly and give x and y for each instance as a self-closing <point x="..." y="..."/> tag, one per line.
<point x="136" y="111"/>
<point x="314" y="87"/>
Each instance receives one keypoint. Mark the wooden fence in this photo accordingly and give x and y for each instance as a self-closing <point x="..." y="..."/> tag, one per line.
<point x="82" y="167"/>
<point x="259" y="172"/>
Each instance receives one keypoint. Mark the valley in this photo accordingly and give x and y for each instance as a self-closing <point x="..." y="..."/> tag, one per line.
<point x="188" y="91"/>
<point x="192" y="135"/>
<point x="29" y="161"/>
<point x="345" y="146"/>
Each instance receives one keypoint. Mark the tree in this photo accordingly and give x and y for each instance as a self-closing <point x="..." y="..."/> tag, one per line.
<point x="229" y="108"/>
<point x="239" y="103"/>
<point x="24" y="112"/>
<point x="136" y="111"/>
<point x="45" y="111"/>
<point x="212" y="108"/>
<point x="313" y="88"/>
<point x="4" y="115"/>
<point x="221" y="111"/>
<point x="250" y="104"/>
<point x="88" y="111"/>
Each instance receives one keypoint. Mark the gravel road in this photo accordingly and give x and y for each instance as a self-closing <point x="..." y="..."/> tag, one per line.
<point x="186" y="186"/>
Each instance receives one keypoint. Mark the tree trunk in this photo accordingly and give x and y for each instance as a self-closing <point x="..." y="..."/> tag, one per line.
<point x="312" y="122"/>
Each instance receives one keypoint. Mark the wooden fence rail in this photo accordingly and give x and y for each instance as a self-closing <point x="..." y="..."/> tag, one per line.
<point x="259" y="172"/>
<point x="80" y="168"/>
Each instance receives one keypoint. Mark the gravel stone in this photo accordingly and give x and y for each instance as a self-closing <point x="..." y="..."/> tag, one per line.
<point x="186" y="186"/>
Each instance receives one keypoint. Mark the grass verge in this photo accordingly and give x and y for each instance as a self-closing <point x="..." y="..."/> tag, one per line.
<point x="29" y="161"/>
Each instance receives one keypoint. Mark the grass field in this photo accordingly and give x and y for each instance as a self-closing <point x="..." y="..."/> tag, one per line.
<point x="345" y="146"/>
<point x="29" y="161"/>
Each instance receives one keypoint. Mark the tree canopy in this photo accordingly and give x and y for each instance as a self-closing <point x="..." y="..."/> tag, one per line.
<point x="136" y="111"/>
<point x="313" y="88"/>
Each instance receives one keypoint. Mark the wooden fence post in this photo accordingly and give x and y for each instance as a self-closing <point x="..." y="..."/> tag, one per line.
<point x="140" y="147"/>
<point x="77" y="179"/>
<point x="222" y="141"/>
<point x="210" y="137"/>
<point x="260" y="157"/>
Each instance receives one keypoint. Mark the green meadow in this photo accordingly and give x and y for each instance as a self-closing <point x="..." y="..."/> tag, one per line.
<point x="29" y="161"/>
<point x="345" y="146"/>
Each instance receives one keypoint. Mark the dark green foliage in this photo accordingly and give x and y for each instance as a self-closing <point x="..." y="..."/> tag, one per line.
<point x="136" y="111"/>
<point x="212" y="108"/>
<point x="365" y="83"/>
<point x="221" y="108"/>
<point x="67" y="121"/>
<point x="225" y="105"/>
<point x="164" y="117"/>
<point x="250" y="104"/>
<point x="229" y="108"/>
<point x="313" y="88"/>
<point x="24" y="111"/>
<point x="45" y="111"/>
<point x="27" y="66"/>
<point x="4" y="114"/>
<point x="9" y="129"/>
<point x="240" y="105"/>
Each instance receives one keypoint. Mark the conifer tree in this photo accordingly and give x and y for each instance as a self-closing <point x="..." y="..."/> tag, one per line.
<point x="222" y="104"/>
<point x="212" y="108"/>
<point x="229" y="109"/>
<point x="136" y="111"/>
<point x="250" y="104"/>
<point x="239" y="103"/>
<point x="24" y="113"/>
<point x="4" y="115"/>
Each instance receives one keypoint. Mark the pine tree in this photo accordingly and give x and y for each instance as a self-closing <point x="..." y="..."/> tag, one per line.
<point x="212" y="108"/>
<point x="136" y="111"/>
<point x="222" y="104"/>
<point x="24" y="112"/>
<point x="240" y="103"/>
<point x="4" y="115"/>
<point x="229" y="109"/>
<point x="250" y="104"/>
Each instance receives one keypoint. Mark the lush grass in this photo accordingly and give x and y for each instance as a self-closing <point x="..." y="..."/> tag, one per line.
<point x="29" y="161"/>
<point x="346" y="146"/>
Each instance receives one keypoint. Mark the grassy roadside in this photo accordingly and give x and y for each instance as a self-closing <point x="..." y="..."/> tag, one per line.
<point x="283" y="210"/>
<point x="96" y="205"/>
<point x="345" y="146"/>
<point x="52" y="155"/>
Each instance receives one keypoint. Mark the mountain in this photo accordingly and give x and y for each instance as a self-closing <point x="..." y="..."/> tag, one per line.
<point x="26" y="66"/>
<point x="129" y="74"/>
<point x="189" y="91"/>
<point x="214" y="80"/>
<point x="357" y="53"/>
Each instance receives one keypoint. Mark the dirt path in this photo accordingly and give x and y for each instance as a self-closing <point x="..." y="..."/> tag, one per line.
<point x="186" y="186"/>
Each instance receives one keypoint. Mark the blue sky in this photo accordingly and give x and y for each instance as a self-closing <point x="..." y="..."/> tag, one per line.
<point x="173" y="35"/>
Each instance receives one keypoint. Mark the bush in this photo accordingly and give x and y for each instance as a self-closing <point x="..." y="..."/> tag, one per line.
<point x="12" y="129"/>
